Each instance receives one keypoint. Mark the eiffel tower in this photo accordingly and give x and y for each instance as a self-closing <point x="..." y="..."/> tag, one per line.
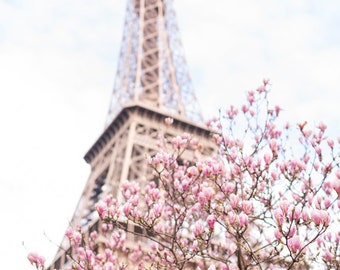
<point x="152" y="83"/>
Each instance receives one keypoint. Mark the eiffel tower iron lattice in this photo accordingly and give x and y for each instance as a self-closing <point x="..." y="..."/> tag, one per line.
<point x="152" y="83"/>
<point x="152" y="68"/>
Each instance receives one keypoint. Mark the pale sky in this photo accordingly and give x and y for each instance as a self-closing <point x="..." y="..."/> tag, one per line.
<point x="57" y="63"/>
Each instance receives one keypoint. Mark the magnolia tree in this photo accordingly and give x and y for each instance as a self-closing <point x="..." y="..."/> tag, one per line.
<point x="268" y="200"/>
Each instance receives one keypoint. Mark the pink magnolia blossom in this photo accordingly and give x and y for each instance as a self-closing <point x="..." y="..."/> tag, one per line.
<point x="36" y="260"/>
<point x="157" y="210"/>
<point x="234" y="200"/>
<point x="247" y="207"/>
<point x="261" y="89"/>
<point x="328" y="256"/>
<point x="320" y="217"/>
<point x="320" y="241"/>
<point x="211" y="219"/>
<point x="232" y="112"/>
<point x="244" y="108"/>
<point x="336" y="185"/>
<point x="274" y="175"/>
<point x="74" y="236"/>
<point x="330" y="143"/>
<point x="179" y="142"/>
<point x="69" y="233"/>
<point x="296" y="213"/>
<point x="284" y="205"/>
<point x="322" y="126"/>
<point x="198" y="229"/>
<point x="273" y="144"/>
<point x="251" y="97"/>
<point x="337" y="173"/>
<point x="168" y="121"/>
<point x="267" y="158"/>
<point x="109" y="266"/>
<point x="192" y="171"/>
<point x="292" y="230"/>
<point x="206" y="194"/>
<point x="243" y="219"/>
<point x="101" y="208"/>
<point x="294" y="244"/>
<point x="278" y="235"/>
<point x="337" y="238"/>
<point x="327" y="203"/>
<point x="277" y="110"/>
<point x="127" y="209"/>
<point x="279" y="217"/>
<point x="265" y="82"/>
<point x="231" y="218"/>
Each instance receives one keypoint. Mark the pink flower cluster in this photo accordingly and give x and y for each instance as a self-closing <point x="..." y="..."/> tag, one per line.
<point x="36" y="260"/>
<point x="85" y="255"/>
<point x="269" y="200"/>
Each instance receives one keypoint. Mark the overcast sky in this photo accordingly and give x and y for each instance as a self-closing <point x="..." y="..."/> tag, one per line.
<point x="57" y="67"/>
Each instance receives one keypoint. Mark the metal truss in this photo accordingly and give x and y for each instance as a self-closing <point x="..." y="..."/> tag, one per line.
<point x="120" y="154"/>
<point x="152" y="68"/>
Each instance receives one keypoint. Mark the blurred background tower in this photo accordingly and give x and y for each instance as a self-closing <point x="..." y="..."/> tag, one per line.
<point x="152" y="83"/>
<point x="152" y="69"/>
